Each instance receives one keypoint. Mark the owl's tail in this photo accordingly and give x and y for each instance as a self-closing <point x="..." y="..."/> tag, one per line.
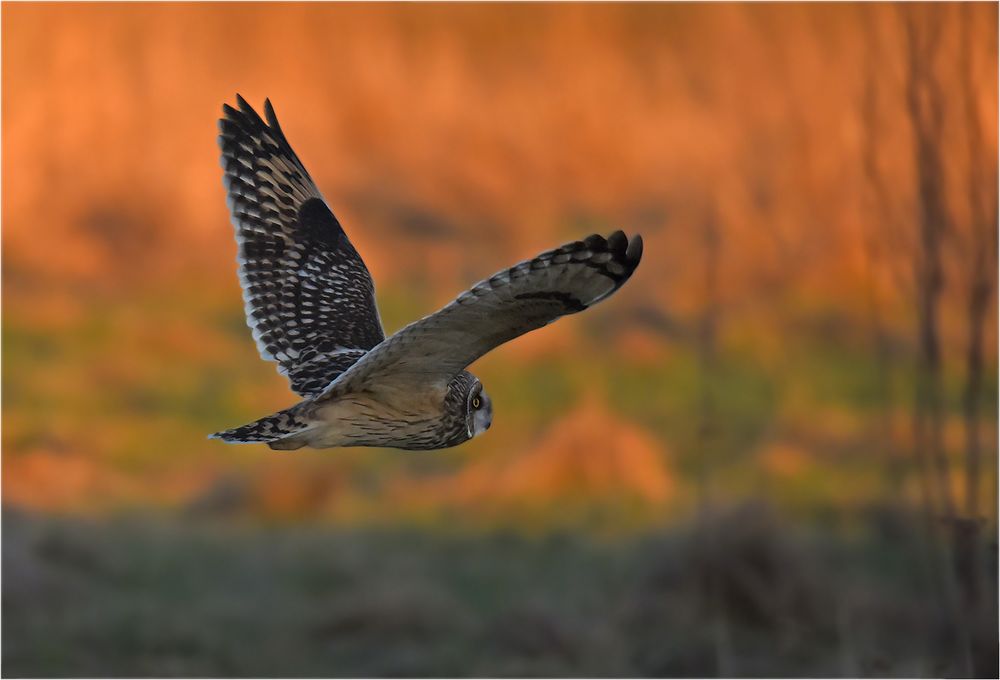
<point x="278" y="430"/>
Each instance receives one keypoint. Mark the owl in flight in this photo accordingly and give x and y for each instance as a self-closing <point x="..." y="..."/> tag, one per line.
<point x="310" y="303"/>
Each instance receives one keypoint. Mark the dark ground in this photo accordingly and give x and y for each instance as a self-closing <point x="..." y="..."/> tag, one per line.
<point x="748" y="597"/>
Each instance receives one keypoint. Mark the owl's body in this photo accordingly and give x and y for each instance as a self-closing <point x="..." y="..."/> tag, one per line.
<point x="310" y="303"/>
<point x="433" y="416"/>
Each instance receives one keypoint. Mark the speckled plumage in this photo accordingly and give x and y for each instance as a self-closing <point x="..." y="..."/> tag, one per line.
<point x="310" y="303"/>
<point x="309" y="298"/>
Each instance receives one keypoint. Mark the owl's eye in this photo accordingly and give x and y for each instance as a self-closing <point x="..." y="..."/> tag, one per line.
<point x="476" y="402"/>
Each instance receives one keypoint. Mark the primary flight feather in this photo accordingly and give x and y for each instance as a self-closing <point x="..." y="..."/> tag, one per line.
<point x="310" y="303"/>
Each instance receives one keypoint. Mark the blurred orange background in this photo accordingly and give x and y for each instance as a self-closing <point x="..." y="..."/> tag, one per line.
<point x="813" y="330"/>
<point x="453" y="140"/>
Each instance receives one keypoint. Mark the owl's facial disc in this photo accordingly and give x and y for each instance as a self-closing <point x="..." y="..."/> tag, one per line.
<point x="480" y="411"/>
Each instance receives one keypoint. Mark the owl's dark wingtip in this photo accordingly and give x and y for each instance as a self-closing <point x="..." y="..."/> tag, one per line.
<point x="269" y="114"/>
<point x="634" y="251"/>
<point x="241" y="115"/>
<point x="243" y="104"/>
<point x="245" y="117"/>
<point x="617" y="243"/>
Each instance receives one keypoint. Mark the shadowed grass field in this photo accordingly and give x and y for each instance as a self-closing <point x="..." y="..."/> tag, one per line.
<point x="740" y="594"/>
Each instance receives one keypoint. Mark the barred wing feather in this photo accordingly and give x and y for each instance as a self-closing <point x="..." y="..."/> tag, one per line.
<point x="309" y="298"/>
<point x="523" y="298"/>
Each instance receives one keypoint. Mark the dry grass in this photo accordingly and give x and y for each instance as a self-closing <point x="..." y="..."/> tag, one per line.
<point x="742" y="593"/>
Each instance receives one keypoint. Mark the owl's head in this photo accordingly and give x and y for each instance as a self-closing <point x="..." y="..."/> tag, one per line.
<point x="478" y="410"/>
<point x="468" y="409"/>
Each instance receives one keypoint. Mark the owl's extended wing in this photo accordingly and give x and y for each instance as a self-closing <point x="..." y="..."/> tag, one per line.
<point x="309" y="298"/>
<point x="527" y="296"/>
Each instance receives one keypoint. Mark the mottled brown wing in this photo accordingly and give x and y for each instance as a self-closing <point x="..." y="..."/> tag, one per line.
<point x="530" y="295"/>
<point x="309" y="299"/>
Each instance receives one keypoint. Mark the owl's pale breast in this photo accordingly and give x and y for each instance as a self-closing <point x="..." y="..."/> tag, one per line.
<point x="407" y="421"/>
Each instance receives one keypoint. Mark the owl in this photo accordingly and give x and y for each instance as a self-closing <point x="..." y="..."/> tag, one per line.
<point x="310" y="304"/>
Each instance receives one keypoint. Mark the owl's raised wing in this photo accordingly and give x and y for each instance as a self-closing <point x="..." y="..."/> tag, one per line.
<point x="309" y="299"/>
<point x="535" y="292"/>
